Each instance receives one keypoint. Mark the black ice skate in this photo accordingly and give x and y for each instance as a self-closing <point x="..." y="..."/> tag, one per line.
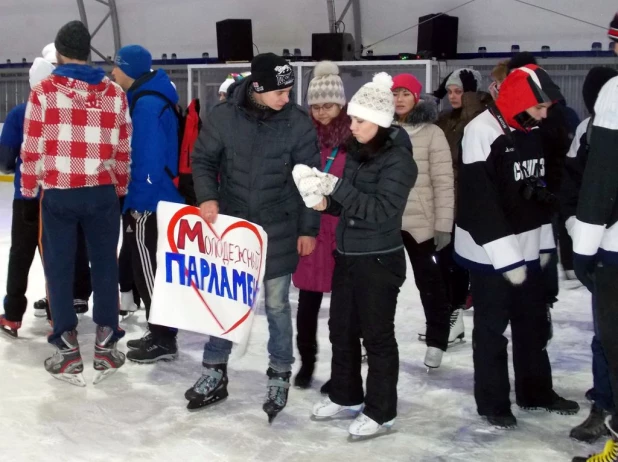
<point x="80" y="306"/>
<point x="277" y="397"/>
<point x="210" y="388"/>
<point x="593" y="428"/>
<point x="558" y="405"/>
<point x="41" y="308"/>
<point x="155" y="349"/>
<point x="66" y="364"/>
<point x="107" y="359"/>
<point x="9" y="328"/>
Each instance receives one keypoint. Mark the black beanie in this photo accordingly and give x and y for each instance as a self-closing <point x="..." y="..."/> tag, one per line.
<point x="520" y="60"/>
<point x="595" y="80"/>
<point x="73" y="41"/>
<point x="270" y="72"/>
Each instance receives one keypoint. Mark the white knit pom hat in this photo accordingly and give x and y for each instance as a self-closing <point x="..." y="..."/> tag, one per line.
<point x="326" y="85"/>
<point x="374" y="101"/>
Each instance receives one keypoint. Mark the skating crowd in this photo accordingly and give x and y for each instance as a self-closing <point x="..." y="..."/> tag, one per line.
<point x="476" y="196"/>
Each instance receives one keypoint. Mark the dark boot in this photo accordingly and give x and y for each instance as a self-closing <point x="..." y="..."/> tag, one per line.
<point x="593" y="427"/>
<point x="308" y="353"/>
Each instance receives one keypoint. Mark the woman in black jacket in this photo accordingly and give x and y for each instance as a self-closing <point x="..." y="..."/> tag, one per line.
<point x="370" y="262"/>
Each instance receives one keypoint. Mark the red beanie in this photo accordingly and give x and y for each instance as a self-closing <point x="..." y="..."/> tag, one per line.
<point x="410" y="83"/>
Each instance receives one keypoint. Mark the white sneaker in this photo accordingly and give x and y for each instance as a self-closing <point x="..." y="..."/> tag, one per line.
<point x="326" y="408"/>
<point x="127" y="303"/>
<point x="433" y="357"/>
<point x="457" y="327"/>
<point x="364" y="426"/>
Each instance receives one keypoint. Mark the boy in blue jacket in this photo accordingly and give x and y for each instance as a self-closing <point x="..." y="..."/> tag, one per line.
<point x="154" y="163"/>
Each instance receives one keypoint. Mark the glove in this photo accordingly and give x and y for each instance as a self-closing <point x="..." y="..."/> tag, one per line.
<point x="545" y="259"/>
<point x="516" y="276"/>
<point x="468" y="81"/>
<point x="328" y="182"/>
<point x="441" y="240"/>
<point x="441" y="91"/>
<point x="308" y="185"/>
<point x="584" y="270"/>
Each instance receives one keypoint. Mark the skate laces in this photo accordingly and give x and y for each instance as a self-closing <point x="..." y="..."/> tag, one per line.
<point x="454" y="316"/>
<point x="277" y="391"/>
<point x="609" y="454"/>
<point x="207" y="382"/>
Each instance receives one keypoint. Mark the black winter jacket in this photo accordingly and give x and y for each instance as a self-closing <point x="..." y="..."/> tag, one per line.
<point x="372" y="195"/>
<point x="244" y="159"/>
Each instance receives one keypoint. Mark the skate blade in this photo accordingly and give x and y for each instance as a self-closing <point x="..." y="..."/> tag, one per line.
<point x="384" y="431"/>
<point x="40" y="314"/>
<point x="422" y="337"/>
<point x="457" y="342"/>
<point x="73" y="379"/>
<point x="125" y="315"/>
<point x="99" y="376"/>
<point x="194" y="406"/>
<point x="341" y="416"/>
<point x="12" y="334"/>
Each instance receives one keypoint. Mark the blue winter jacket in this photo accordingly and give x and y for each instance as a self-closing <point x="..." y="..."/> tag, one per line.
<point x="154" y="145"/>
<point x="10" y="144"/>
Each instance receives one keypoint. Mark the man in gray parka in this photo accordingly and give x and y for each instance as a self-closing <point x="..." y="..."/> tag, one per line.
<point x="242" y="167"/>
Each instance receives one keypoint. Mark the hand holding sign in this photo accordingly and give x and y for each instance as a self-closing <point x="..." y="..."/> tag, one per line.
<point x="209" y="211"/>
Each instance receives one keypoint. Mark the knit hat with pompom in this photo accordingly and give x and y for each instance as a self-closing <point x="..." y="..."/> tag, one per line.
<point x="326" y="85"/>
<point x="374" y="101"/>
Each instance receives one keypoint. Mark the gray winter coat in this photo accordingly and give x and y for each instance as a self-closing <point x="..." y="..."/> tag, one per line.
<point x="372" y="195"/>
<point x="244" y="159"/>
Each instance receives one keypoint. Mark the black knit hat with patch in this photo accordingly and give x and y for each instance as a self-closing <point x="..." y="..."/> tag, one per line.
<point x="595" y="80"/>
<point x="270" y="72"/>
<point x="73" y="41"/>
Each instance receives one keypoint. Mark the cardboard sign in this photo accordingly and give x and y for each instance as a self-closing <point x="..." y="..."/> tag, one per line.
<point x="208" y="276"/>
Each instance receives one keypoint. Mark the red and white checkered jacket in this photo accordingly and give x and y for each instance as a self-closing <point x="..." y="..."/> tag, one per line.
<point x="76" y="135"/>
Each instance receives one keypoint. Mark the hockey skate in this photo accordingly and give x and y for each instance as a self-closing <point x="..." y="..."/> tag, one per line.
<point x="591" y="429"/>
<point x="41" y="308"/>
<point x="277" y="396"/>
<point x="364" y="428"/>
<point x="326" y="410"/>
<point x="433" y="358"/>
<point x="107" y="359"/>
<point x="210" y="388"/>
<point x="128" y="307"/>
<point x="9" y="328"/>
<point x="66" y="363"/>
<point x="456" y="334"/>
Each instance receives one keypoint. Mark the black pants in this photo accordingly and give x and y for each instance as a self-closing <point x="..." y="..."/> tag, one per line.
<point x="496" y="302"/>
<point x="144" y="254"/>
<point x="565" y="245"/>
<point x="550" y="273"/>
<point x="125" y="261"/>
<point x="606" y="305"/>
<point x="363" y="303"/>
<point x="432" y="289"/>
<point x="24" y="243"/>
<point x="454" y="276"/>
<point x="307" y="324"/>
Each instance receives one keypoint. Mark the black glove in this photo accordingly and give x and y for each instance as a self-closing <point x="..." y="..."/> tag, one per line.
<point x="441" y="91"/>
<point x="584" y="270"/>
<point x="468" y="81"/>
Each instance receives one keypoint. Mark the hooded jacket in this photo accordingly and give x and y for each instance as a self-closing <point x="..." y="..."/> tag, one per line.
<point x="154" y="144"/>
<point x="594" y="229"/>
<point x="431" y="202"/>
<point x="77" y="132"/>
<point x="497" y="228"/>
<point x="372" y="195"/>
<point x="244" y="158"/>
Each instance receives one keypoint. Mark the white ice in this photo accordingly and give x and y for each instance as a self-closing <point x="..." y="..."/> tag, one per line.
<point x="139" y="414"/>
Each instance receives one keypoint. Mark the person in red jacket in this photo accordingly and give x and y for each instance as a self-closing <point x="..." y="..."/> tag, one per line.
<point x="76" y="147"/>
<point x="326" y="98"/>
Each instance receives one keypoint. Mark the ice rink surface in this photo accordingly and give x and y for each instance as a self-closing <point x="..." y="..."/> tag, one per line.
<point x="139" y="414"/>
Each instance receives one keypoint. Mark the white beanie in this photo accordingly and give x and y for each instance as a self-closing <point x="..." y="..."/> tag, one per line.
<point x="455" y="78"/>
<point x="40" y="70"/>
<point x="374" y="102"/>
<point x="326" y="85"/>
<point x="49" y="53"/>
<point x="226" y="85"/>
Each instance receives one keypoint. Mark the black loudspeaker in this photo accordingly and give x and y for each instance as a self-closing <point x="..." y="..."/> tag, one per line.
<point x="437" y="34"/>
<point x="235" y="40"/>
<point x="332" y="47"/>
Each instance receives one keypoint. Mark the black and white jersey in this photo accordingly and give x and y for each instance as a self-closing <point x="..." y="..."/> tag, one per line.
<point x="595" y="229"/>
<point x="497" y="228"/>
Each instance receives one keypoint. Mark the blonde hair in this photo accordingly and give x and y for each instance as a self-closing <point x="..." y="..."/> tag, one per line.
<point x="500" y="72"/>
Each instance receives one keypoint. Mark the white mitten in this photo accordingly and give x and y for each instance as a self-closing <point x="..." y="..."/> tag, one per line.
<point x="301" y="171"/>
<point x="516" y="276"/>
<point x="309" y="189"/>
<point x="545" y="258"/>
<point x="327" y="183"/>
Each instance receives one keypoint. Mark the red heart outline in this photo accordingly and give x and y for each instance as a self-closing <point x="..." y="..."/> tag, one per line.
<point x="189" y="210"/>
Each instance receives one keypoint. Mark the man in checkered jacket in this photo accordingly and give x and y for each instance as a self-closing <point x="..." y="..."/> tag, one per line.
<point x="77" y="135"/>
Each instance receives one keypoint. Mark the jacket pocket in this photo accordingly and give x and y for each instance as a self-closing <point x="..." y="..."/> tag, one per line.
<point x="280" y="212"/>
<point x="393" y="267"/>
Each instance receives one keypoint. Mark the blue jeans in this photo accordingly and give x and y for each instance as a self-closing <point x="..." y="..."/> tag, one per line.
<point x="279" y="315"/>
<point x="601" y="391"/>
<point x="95" y="209"/>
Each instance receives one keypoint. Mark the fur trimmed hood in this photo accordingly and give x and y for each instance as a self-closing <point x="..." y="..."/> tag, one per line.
<point x="424" y="112"/>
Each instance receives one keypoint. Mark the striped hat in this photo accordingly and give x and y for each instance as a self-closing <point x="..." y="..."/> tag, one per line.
<point x="613" y="29"/>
